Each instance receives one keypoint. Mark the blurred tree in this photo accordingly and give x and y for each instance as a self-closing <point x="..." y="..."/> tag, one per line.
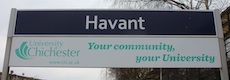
<point x="171" y="4"/>
<point x="167" y="74"/>
<point x="134" y="73"/>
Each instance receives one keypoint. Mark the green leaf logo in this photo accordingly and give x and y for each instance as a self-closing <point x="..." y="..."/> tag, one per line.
<point x="22" y="52"/>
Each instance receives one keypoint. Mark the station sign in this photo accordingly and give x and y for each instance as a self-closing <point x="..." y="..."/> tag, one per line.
<point x="115" y="39"/>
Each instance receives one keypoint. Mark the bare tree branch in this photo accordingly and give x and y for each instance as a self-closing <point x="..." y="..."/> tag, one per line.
<point x="206" y="4"/>
<point x="198" y="4"/>
<point x="191" y="4"/>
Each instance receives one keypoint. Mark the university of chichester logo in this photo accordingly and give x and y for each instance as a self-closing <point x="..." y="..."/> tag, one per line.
<point x="23" y="51"/>
<point x="44" y="49"/>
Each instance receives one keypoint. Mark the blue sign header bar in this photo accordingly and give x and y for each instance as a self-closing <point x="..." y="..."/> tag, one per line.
<point x="115" y="22"/>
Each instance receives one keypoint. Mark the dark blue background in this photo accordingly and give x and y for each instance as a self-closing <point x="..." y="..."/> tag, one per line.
<point x="156" y="22"/>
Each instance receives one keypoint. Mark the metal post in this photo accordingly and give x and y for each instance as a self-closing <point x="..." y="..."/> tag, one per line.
<point x="5" y="70"/>
<point x="224" y="70"/>
<point x="161" y="74"/>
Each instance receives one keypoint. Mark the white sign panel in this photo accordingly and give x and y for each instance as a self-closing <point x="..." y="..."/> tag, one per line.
<point x="115" y="52"/>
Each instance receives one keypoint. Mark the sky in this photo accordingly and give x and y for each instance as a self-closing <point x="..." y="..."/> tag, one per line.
<point x="44" y="72"/>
